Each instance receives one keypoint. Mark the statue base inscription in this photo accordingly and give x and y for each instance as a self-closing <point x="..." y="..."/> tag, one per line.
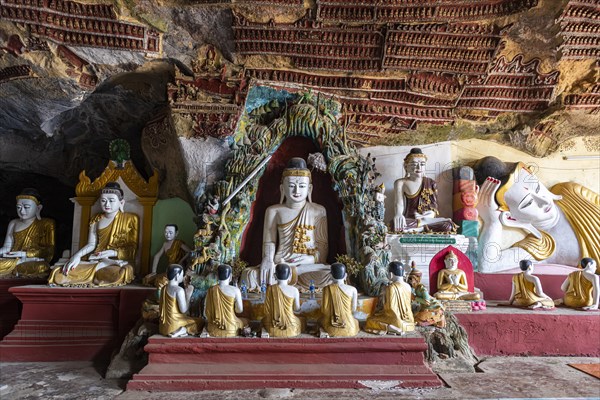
<point x="303" y="362"/>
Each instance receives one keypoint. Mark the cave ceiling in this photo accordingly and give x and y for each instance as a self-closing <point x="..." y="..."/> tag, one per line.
<point x="75" y="75"/>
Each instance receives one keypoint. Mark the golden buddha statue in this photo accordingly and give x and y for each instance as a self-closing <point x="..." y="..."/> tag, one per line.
<point x="174" y="304"/>
<point x="299" y="229"/>
<point x="527" y="289"/>
<point x="512" y="196"/>
<point x="280" y="302"/>
<point x="176" y="252"/>
<point x="452" y="281"/>
<point x="415" y="199"/>
<point x="338" y="304"/>
<point x="221" y="303"/>
<point x="431" y="310"/>
<point x="582" y="287"/>
<point x="396" y="317"/>
<point x="112" y="245"/>
<point x="29" y="243"/>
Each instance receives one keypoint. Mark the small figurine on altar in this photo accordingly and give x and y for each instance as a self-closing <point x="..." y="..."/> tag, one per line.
<point x="527" y="289"/>
<point x="338" y="304"/>
<point x="295" y="232"/>
<point x="175" y="250"/>
<point x="221" y="303"/>
<point x="280" y="302"/>
<point x="452" y="281"/>
<point x="29" y="243"/>
<point x="431" y="310"/>
<point x="174" y="304"/>
<point x="415" y="199"/>
<point x="396" y="317"/>
<point x="582" y="287"/>
<point x="112" y="245"/>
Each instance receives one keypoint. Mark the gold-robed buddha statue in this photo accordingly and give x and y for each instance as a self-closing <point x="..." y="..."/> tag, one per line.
<point x="111" y="248"/>
<point x="280" y="302"/>
<point x="29" y="243"/>
<point x="527" y="289"/>
<point x="221" y="303"/>
<point x="452" y="281"/>
<point x="174" y="304"/>
<point x="295" y="232"/>
<point x="338" y="304"/>
<point x="582" y="288"/>
<point x="396" y="317"/>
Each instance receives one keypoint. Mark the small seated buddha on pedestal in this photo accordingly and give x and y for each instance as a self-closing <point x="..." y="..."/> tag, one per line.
<point x="337" y="306"/>
<point x="527" y="289"/>
<point x="174" y="249"/>
<point x="29" y="243"/>
<point x="396" y="316"/>
<point x="221" y="303"/>
<point x="295" y="233"/>
<point x="112" y="245"/>
<point x="280" y="302"/>
<point x="174" y="304"/>
<point x="582" y="288"/>
<point x="452" y="281"/>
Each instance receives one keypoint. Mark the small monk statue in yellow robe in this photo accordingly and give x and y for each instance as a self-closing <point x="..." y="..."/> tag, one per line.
<point x="431" y="310"/>
<point x="174" y="304"/>
<point x="338" y="304"/>
<point x="452" y="281"/>
<point x="396" y="317"/>
<point x="29" y="243"/>
<point x="176" y="252"/>
<point x="582" y="288"/>
<point x="280" y="302"/>
<point x="221" y="303"/>
<point x="527" y="289"/>
<point x="112" y="245"/>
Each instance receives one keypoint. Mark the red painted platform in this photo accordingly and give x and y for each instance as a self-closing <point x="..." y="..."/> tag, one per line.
<point x="508" y="331"/>
<point x="498" y="286"/>
<point x="66" y="324"/>
<point x="305" y="362"/>
<point x="10" y="305"/>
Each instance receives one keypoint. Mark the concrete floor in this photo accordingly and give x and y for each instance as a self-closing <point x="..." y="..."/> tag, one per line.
<point x="500" y="378"/>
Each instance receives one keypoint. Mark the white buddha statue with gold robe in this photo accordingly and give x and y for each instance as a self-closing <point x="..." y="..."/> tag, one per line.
<point x="174" y="304"/>
<point x="221" y="304"/>
<point x="29" y="243"/>
<point x="280" y="302"/>
<point x="295" y="233"/>
<point x="338" y="305"/>
<point x="111" y="248"/>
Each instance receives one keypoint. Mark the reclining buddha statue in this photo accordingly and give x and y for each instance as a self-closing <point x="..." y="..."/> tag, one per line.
<point x="111" y="248"/>
<point x="295" y="233"/>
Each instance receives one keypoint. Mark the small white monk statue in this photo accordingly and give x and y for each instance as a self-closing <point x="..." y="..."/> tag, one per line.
<point x="527" y="289"/>
<point x="582" y="287"/>
<point x="174" y="249"/>
<point x="295" y="232"/>
<point x="338" y="304"/>
<point x="111" y="248"/>
<point x="280" y="303"/>
<point x="396" y="317"/>
<point x="452" y="281"/>
<point x="174" y="304"/>
<point x="29" y="242"/>
<point x="221" y="303"/>
<point x="415" y="199"/>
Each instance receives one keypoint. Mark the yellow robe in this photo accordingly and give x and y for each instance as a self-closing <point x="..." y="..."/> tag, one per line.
<point x="279" y="320"/>
<point x="580" y="291"/>
<point x="396" y="311"/>
<point x="174" y="254"/>
<point x="121" y="235"/>
<point x="38" y="242"/>
<point x="449" y="291"/>
<point x="171" y="319"/>
<point x="525" y="294"/>
<point x="220" y="314"/>
<point x="336" y="309"/>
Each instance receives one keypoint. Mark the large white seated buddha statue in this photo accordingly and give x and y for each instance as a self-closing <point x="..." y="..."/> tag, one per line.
<point x="295" y="233"/>
<point x="111" y="248"/>
<point x="29" y="242"/>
